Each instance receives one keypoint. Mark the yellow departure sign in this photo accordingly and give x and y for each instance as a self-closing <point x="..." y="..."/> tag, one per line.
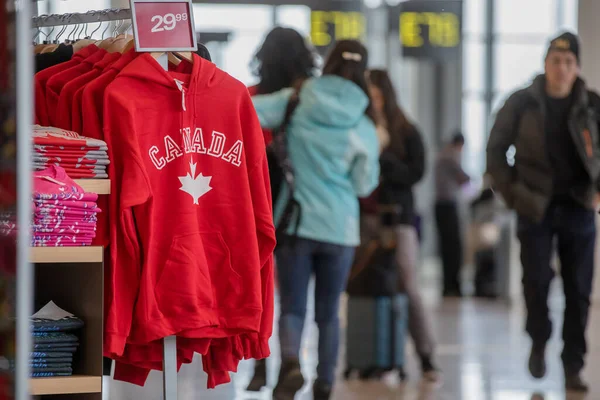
<point x="438" y="29"/>
<point x="329" y="26"/>
<point x="428" y="29"/>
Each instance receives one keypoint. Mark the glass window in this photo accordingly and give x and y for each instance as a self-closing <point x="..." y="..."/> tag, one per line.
<point x="297" y="17"/>
<point x="517" y="64"/>
<point x="235" y="17"/>
<point x="73" y="6"/>
<point x="474" y="16"/>
<point x="525" y="16"/>
<point x="570" y="16"/>
<point x="473" y="122"/>
<point x="248" y="23"/>
<point x="238" y="54"/>
<point x="473" y="65"/>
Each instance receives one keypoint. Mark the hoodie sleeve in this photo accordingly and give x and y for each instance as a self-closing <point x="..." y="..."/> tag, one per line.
<point x="129" y="187"/>
<point x="364" y="170"/>
<point x="263" y="212"/>
<point x="270" y="108"/>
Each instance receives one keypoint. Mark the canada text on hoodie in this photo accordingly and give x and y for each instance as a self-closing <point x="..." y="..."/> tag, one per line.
<point x="192" y="233"/>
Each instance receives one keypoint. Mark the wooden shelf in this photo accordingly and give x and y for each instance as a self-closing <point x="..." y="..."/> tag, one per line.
<point x="98" y="186"/>
<point x="55" y="255"/>
<point x="65" y="385"/>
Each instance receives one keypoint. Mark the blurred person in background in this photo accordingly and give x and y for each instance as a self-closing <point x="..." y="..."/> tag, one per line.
<point x="284" y="60"/>
<point x="334" y="149"/>
<point x="553" y="186"/>
<point x="449" y="177"/>
<point x="402" y="164"/>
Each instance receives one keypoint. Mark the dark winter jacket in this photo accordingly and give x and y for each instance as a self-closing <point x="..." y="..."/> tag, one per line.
<point x="527" y="186"/>
<point x="399" y="173"/>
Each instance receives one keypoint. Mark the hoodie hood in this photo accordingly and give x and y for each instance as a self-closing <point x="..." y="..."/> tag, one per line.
<point x="146" y="68"/>
<point x="334" y="101"/>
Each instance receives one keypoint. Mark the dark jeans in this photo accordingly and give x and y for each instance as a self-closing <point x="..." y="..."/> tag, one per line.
<point x="450" y="244"/>
<point x="331" y="265"/>
<point x="575" y="230"/>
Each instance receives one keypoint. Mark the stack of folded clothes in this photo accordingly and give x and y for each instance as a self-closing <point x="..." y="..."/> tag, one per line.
<point x="54" y="342"/>
<point x="64" y="214"/>
<point x="81" y="157"/>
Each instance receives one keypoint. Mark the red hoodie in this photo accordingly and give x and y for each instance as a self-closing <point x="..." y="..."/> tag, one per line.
<point x="69" y="109"/>
<point x="42" y="77"/>
<point x="57" y="82"/>
<point x="190" y="209"/>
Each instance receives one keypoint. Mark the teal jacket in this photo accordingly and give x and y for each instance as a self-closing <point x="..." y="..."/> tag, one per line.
<point x="334" y="149"/>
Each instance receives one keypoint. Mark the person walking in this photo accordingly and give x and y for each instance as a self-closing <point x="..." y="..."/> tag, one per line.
<point x="553" y="185"/>
<point x="334" y="148"/>
<point x="402" y="164"/>
<point x="449" y="177"/>
<point x="284" y="60"/>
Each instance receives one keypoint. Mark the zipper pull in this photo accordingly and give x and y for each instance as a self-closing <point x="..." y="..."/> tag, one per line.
<point x="182" y="90"/>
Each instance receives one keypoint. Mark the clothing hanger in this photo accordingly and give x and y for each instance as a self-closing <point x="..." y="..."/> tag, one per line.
<point x="130" y="45"/>
<point x="186" y="55"/>
<point x="49" y="48"/>
<point x="105" y="43"/>
<point x="117" y="45"/>
<point x="173" y="59"/>
<point x="72" y="33"/>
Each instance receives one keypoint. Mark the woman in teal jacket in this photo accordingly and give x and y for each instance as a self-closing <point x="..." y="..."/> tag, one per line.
<point x="333" y="146"/>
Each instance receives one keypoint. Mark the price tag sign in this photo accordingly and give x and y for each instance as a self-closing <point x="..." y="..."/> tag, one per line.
<point x="166" y="25"/>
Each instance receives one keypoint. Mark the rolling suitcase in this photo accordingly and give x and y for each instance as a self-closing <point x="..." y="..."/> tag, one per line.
<point x="375" y="335"/>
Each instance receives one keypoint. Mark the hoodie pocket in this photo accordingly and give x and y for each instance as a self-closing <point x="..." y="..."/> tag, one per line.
<point x="227" y="283"/>
<point x="184" y="284"/>
<point x="197" y="274"/>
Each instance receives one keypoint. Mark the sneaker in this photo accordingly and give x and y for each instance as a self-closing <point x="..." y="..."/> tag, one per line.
<point x="430" y="372"/>
<point x="290" y="380"/>
<point x="321" y="390"/>
<point x="574" y="383"/>
<point x="259" y="380"/>
<point x="537" y="360"/>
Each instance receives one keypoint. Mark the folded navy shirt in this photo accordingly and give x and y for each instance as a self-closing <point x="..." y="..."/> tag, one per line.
<point x="50" y="354"/>
<point x="62" y="325"/>
<point x="54" y="337"/>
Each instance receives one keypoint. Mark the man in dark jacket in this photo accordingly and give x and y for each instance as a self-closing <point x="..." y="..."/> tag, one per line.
<point x="552" y="182"/>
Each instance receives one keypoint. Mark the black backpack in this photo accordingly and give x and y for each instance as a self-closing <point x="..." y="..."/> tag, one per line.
<point x="281" y="171"/>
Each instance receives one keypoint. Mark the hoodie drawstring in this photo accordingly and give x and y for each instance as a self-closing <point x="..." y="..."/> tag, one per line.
<point x="182" y="90"/>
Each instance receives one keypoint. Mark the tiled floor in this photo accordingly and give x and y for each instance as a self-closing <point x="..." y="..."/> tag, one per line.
<point x="482" y="351"/>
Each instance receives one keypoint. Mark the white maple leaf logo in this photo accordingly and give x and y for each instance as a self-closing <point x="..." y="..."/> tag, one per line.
<point x="195" y="186"/>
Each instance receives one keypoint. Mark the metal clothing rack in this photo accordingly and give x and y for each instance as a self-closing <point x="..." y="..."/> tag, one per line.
<point x="119" y="14"/>
<point x="90" y="17"/>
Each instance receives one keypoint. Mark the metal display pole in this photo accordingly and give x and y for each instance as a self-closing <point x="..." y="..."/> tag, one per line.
<point x="170" y="368"/>
<point x="24" y="114"/>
